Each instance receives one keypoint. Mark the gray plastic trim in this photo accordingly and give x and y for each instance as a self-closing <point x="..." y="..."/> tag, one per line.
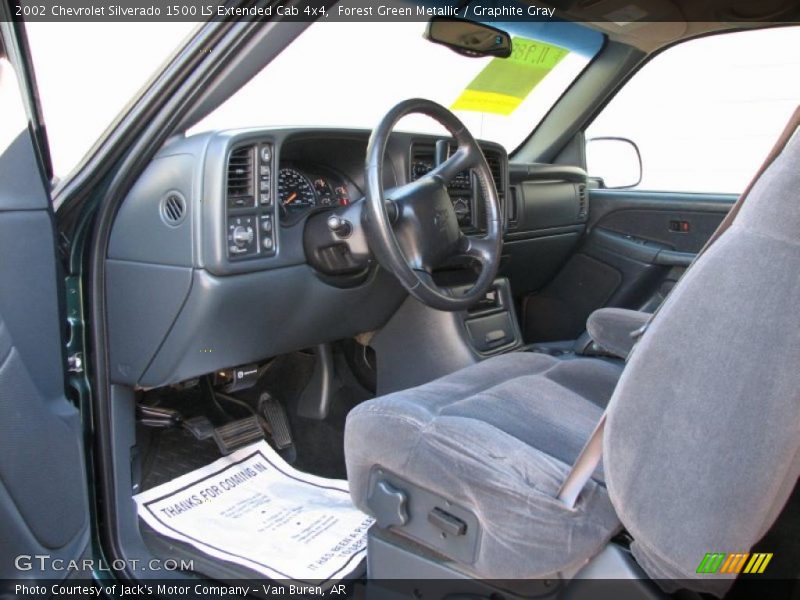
<point x="520" y="172"/>
<point x="229" y="321"/>
<point x="442" y="335"/>
<point x="143" y="302"/>
<point x="126" y="517"/>
<point x="315" y="400"/>
<point x="179" y="308"/>
<point x="605" y="202"/>
<point x="44" y="504"/>
<point x="140" y="231"/>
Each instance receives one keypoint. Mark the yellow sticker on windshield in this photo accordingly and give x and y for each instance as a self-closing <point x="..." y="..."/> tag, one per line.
<point x="504" y="83"/>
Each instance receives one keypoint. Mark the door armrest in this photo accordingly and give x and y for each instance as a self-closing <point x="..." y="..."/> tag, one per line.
<point x="613" y="328"/>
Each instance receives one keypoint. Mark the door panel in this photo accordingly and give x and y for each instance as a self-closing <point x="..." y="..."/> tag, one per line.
<point x="43" y="494"/>
<point x="653" y="216"/>
<point x="637" y="246"/>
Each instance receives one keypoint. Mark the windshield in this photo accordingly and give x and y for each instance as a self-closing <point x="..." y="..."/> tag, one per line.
<point x="350" y="74"/>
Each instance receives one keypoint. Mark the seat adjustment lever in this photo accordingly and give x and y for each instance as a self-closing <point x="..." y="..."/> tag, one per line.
<point x="448" y="523"/>
<point x="389" y="505"/>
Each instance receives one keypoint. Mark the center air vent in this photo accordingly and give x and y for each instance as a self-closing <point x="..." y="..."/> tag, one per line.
<point x="422" y="159"/>
<point x="240" y="177"/>
<point x="496" y="167"/>
<point x="173" y="209"/>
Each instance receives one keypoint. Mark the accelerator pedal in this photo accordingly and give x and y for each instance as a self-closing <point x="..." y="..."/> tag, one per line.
<point x="275" y="416"/>
<point x="236" y="434"/>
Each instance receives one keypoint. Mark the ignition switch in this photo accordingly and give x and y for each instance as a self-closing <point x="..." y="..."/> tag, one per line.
<point x="341" y="227"/>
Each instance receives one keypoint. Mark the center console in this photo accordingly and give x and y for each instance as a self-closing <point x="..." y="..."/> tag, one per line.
<point x="491" y="325"/>
<point x="420" y="343"/>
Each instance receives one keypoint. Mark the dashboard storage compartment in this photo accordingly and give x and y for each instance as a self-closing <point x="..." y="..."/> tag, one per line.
<point x="491" y="333"/>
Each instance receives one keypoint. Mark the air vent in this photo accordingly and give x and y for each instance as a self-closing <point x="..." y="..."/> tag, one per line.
<point x="496" y="167"/>
<point x="240" y="177"/>
<point x="583" y="210"/>
<point x="422" y="159"/>
<point x="512" y="212"/>
<point x="173" y="209"/>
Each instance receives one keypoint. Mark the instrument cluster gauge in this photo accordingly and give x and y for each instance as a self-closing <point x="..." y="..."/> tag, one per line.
<point x="295" y="192"/>
<point x="324" y="192"/>
<point x="342" y="196"/>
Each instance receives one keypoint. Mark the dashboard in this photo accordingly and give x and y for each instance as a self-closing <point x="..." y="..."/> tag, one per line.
<point x="208" y="265"/>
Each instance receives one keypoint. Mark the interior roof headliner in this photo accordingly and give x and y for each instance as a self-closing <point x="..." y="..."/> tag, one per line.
<point x="664" y="22"/>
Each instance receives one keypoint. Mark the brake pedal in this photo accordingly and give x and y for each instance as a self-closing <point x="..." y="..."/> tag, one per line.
<point x="236" y="434"/>
<point x="276" y="418"/>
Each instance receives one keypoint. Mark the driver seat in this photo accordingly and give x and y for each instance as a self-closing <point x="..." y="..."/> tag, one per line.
<point x="702" y="437"/>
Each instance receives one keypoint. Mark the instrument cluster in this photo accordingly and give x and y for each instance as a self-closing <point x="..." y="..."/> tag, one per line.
<point x="303" y="189"/>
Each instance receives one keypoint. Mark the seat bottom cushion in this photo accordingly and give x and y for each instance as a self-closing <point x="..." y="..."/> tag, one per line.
<point x="497" y="438"/>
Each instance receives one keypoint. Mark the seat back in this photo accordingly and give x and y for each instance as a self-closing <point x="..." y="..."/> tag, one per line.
<point x="702" y="442"/>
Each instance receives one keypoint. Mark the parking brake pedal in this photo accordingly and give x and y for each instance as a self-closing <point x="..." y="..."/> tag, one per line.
<point x="234" y="435"/>
<point x="200" y="427"/>
<point x="278" y="422"/>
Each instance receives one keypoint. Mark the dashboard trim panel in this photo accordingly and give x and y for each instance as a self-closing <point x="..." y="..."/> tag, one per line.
<point x="194" y="310"/>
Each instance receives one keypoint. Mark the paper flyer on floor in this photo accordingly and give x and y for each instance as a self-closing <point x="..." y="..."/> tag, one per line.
<point x="253" y="509"/>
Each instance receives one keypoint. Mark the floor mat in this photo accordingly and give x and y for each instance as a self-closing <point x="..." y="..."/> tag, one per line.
<point x="253" y="509"/>
<point x="171" y="453"/>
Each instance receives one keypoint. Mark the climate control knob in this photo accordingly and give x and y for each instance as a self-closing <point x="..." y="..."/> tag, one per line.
<point x="242" y="235"/>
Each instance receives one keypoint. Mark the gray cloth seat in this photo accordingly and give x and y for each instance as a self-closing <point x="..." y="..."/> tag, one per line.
<point x="702" y="437"/>
<point x="498" y="437"/>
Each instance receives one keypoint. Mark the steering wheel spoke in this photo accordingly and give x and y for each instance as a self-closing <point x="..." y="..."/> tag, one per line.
<point x="463" y="158"/>
<point x="481" y="249"/>
<point x="426" y="277"/>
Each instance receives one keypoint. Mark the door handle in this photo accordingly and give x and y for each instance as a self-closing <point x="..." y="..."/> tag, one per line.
<point x="674" y="258"/>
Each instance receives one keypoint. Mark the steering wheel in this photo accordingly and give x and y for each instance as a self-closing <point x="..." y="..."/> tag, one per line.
<point x="412" y="229"/>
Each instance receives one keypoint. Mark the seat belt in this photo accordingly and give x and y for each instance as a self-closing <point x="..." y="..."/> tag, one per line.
<point x="592" y="452"/>
<point x="584" y="466"/>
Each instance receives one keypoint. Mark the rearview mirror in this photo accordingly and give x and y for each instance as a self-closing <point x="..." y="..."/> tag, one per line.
<point x="615" y="161"/>
<point x="469" y="38"/>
